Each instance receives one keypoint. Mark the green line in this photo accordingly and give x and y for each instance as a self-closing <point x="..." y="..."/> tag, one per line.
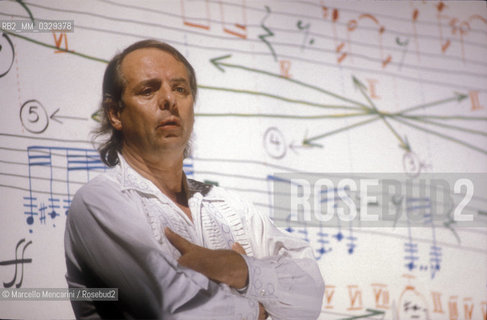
<point x="306" y="141"/>
<point x="56" y="48"/>
<point x="283" y="116"/>
<point x="427" y="105"/>
<point x="216" y="62"/>
<point x="451" y="126"/>
<point x="358" y="84"/>
<point x="361" y="87"/>
<point x="445" y="117"/>
<point x="26" y="9"/>
<point x="257" y="93"/>
<point x="369" y="100"/>
<point x="442" y="136"/>
<point x="403" y="144"/>
<point x="372" y="312"/>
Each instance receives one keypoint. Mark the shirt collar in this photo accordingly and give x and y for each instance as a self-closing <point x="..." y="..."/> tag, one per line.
<point x="131" y="179"/>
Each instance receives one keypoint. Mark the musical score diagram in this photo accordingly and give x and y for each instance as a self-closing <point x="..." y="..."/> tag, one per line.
<point x="354" y="109"/>
<point x="55" y="174"/>
<point x="356" y="44"/>
<point x="46" y="173"/>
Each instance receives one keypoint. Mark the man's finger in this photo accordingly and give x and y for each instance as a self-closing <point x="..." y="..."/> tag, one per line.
<point x="237" y="247"/>
<point x="177" y="241"/>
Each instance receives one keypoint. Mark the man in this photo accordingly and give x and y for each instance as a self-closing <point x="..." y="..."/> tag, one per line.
<point x="175" y="248"/>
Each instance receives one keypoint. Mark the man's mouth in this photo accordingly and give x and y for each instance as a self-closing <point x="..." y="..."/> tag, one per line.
<point x="169" y="123"/>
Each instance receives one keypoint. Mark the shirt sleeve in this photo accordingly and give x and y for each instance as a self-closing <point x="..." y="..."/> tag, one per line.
<point x="283" y="273"/>
<point x="108" y="244"/>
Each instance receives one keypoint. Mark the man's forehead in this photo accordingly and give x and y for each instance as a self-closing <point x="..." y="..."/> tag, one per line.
<point x="147" y="60"/>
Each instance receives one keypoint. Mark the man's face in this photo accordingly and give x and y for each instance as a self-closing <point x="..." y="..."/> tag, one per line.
<point x="158" y="103"/>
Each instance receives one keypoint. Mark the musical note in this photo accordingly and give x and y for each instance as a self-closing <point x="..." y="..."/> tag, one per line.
<point x="239" y="27"/>
<point x="458" y="28"/>
<point x="411" y="250"/>
<point x="82" y="159"/>
<point x="31" y="211"/>
<point x="37" y="158"/>
<point x="339" y="47"/>
<point x="404" y="44"/>
<point x="233" y="22"/>
<point x="435" y="250"/>
<point x="423" y="206"/>
<point x="351" y="240"/>
<point x="351" y="26"/>
<point x="323" y="243"/>
<point x="381" y="29"/>
<point x="444" y="44"/>
<point x="415" y="16"/>
<point x="463" y="28"/>
<point x="77" y="162"/>
<point x="54" y="204"/>
<point x="305" y="29"/>
<point x="197" y="8"/>
<point x="435" y="259"/>
<point x="333" y="196"/>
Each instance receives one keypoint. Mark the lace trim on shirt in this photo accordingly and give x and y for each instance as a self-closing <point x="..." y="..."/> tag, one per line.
<point x="221" y="209"/>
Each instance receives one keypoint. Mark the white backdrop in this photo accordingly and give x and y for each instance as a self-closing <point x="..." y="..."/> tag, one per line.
<point x="284" y="86"/>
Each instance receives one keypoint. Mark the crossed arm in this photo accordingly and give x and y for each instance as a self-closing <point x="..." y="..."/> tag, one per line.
<point x="223" y="266"/>
<point x="281" y="272"/>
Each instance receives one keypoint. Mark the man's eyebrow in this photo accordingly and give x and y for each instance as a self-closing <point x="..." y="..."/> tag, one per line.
<point x="148" y="82"/>
<point x="179" y="80"/>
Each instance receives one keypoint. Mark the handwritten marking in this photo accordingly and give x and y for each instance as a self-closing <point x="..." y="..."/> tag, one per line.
<point x="355" y="296"/>
<point x="16" y="262"/>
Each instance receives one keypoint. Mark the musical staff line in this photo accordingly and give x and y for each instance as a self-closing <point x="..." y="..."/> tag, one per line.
<point x="358" y="43"/>
<point x="284" y="56"/>
<point x="321" y="63"/>
<point x="395" y="32"/>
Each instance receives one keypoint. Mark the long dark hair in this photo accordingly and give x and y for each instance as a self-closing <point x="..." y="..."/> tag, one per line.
<point x="113" y="87"/>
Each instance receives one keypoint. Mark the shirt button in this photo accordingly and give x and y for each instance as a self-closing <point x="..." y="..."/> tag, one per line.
<point x="262" y="292"/>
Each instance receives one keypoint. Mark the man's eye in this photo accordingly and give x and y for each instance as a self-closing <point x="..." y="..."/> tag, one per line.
<point x="146" y="92"/>
<point x="181" y="89"/>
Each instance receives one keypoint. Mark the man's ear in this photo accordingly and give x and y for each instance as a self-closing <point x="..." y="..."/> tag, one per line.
<point x="113" y="113"/>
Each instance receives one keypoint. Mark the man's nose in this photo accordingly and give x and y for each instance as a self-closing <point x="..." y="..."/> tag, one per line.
<point x="167" y="99"/>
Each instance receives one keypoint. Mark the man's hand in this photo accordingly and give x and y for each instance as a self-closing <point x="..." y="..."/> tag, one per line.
<point x="226" y="266"/>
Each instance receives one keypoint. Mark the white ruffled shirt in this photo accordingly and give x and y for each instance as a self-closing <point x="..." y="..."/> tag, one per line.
<point x="115" y="238"/>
